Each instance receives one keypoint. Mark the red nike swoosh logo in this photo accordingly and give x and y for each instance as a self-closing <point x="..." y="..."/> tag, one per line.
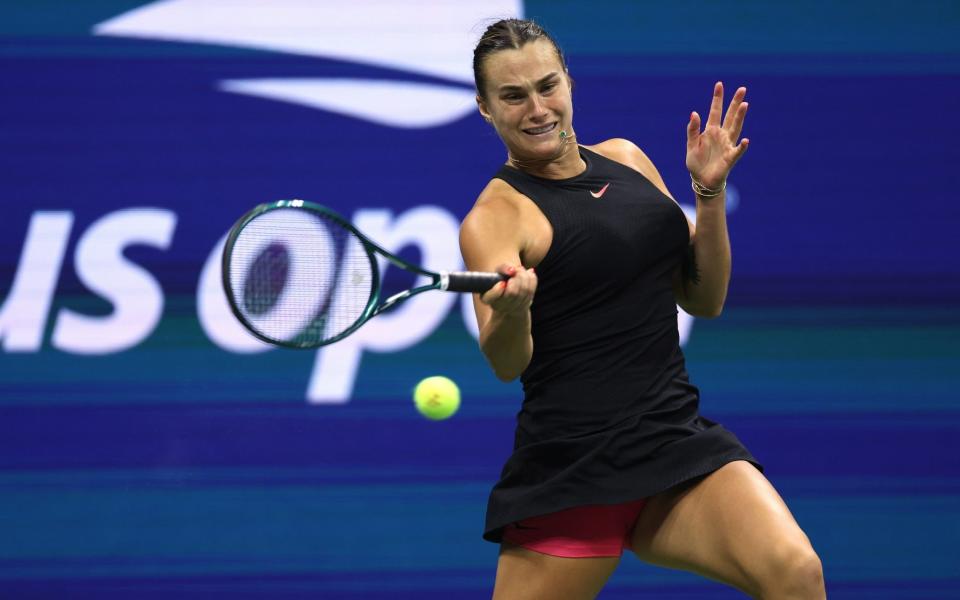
<point x="602" y="191"/>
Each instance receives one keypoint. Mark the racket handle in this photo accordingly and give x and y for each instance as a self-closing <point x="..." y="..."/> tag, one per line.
<point x="470" y="281"/>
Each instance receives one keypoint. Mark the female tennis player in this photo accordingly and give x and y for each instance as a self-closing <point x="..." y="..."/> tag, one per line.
<point x="610" y="451"/>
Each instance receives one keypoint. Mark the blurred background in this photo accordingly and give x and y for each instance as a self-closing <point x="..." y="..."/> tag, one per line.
<point x="150" y="449"/>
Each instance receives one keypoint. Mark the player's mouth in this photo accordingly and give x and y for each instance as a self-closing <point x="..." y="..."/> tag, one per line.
<point x="543" y="130"/>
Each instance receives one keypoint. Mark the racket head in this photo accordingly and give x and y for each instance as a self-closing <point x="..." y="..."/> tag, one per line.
<point x="299" y="275"/>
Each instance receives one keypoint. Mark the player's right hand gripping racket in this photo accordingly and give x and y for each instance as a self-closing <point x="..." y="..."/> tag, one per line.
<point x="299" y="275"/>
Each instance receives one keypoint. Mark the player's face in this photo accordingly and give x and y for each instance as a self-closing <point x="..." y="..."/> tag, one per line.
<point x="528" y="99"/>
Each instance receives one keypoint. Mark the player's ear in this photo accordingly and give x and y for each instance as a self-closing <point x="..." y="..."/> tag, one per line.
<point x="482" y="107"/>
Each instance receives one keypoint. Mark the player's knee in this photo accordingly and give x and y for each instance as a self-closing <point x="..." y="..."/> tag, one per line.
<point x="805" y="576"/>
<point x="795" y="572"/>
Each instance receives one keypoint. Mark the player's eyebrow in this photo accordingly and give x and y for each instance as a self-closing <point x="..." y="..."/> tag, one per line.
<point x="509" y="87"/>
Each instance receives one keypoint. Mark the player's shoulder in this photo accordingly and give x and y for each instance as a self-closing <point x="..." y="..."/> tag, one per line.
<point x="624" y="152"/>
<point x="497" y="192"/>
<point x="497" y="228"/>
<point x="627" y="153"/>
<point x="499" y="202"/>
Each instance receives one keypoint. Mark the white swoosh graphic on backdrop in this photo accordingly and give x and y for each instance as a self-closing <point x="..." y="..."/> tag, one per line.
<point x="424" y="105"/>
<point x="433" y="38"/>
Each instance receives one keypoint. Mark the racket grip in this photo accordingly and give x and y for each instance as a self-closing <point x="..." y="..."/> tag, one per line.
<point x="470" y="281"/>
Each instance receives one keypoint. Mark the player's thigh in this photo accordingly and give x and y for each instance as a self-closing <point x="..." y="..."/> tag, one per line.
<point x="527" y="575"/>
<point x="731" y="526"/>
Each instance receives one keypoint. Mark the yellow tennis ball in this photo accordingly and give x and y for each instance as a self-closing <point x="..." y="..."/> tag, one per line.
<point x="437" y="397"/>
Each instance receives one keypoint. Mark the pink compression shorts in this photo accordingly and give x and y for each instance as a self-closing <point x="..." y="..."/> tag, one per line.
<point x="578" y="532"/>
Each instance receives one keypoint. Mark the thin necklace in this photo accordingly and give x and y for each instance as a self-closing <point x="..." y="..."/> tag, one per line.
<point x="565" y="140"/>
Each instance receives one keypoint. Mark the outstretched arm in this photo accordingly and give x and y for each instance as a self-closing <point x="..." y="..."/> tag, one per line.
<point x="701" y="285"/>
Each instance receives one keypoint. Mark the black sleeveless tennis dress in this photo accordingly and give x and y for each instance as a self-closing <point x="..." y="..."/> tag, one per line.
<point x="608" y="415"/>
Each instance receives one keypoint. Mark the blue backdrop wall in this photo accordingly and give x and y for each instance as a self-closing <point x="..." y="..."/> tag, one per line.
<point x="148" y="448"/>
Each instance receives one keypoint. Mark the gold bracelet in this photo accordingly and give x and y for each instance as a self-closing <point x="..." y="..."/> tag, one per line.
<point x="705" y="192"/>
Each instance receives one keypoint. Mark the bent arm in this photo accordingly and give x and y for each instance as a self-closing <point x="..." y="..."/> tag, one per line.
<point x="506" y="342"/>
<point x="490" y="239"/>
<point x="711" y="155"/>
<point x="700" y="285"/>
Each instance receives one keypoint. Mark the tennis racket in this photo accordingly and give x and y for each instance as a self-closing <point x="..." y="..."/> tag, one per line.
<point x="299" y="275"/>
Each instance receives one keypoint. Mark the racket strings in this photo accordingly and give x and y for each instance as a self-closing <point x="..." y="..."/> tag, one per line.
<point x="299" y="277"/>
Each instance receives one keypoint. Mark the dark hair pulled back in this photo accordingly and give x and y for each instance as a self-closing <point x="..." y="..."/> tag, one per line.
<point x="508" y="34"/>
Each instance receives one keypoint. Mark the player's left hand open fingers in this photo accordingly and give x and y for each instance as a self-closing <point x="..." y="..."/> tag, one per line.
<point x="736" y="125"/>
<point x="741" y="149"/>
<point x="734" y="117"/>
<point x="693" y="129"/>
<point x="716" y="105"/>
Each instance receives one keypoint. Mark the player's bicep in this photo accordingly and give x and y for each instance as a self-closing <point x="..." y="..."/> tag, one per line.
<point x="488" y="238"/>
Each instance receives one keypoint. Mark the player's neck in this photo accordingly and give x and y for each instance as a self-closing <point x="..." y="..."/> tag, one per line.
<point x="568" y="164"/>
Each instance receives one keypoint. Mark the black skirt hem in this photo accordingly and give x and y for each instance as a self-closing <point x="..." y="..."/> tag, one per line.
<point x="494" y="531"/>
